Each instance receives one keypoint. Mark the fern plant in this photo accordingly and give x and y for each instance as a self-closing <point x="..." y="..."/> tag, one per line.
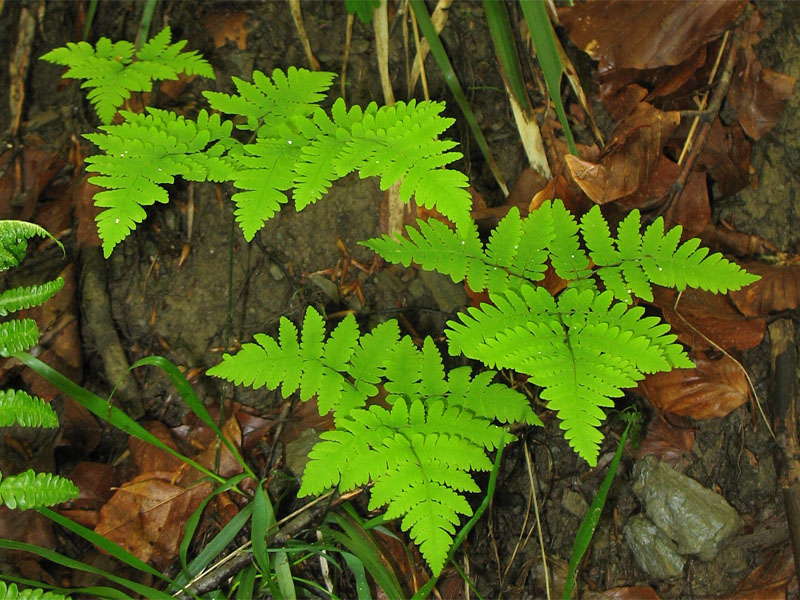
<point x="417" y="443"/>
<point x="27" y="489"/>
<point x="401" y="422"/>
<point x="10" y="591"/>
<point x="584" y="347"/>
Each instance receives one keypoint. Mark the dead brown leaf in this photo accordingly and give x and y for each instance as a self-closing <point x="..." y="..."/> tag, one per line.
<point x="631" y="157"/>
<point x="147" y="516"/>
<point x="724" y="238"/>
<point x="226" y="27"/>
<point x="726" y="157"/>
<point x="669" y="443"/>
<point x="777" y="290"/>
<point x="24" y="173"/>
<point x="758" y="95"/>
<point x="655" y="34"/>
<point x="712" y="389"/>
<point x="709" y="315"/>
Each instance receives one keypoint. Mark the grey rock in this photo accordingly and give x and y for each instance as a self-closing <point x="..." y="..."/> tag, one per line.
<point x="696" y="518"/>
<point x="448" y="296"/>
<point x="653" y="551"/>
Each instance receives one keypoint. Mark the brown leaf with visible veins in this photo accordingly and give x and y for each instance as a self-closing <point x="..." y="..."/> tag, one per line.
<point x="777" y="290"/>
<point x="631" y="157"/>
<point x="710" y="315"/>
<point x="712" y="389"/>
<point x="655" y="33"/>
<point x="147" y="516"/>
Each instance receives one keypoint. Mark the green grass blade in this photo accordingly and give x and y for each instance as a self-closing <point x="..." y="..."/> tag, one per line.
<point x="439" y="54"/>
<point x="263" y="523"/>
<point x="104" y="410"/>
<point x="193" y="402"/>
<point x="103" y="543"/>
<point x="71" y="563"/>
<point x="283" y="573"/>
<point x="360" y="542"/>
<point x="586" y="530"/>
<point x="194" y="519"/>
<point x="543" y="39"/>
<point x="357" y="569"/>
<point x="506" y="49"/>
<point x="214" y="547"/>
<point x="247" y="582"/>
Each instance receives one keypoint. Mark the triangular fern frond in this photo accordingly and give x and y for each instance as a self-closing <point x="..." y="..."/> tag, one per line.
<point x="108" y="71"/>
<point x="20" y="408"/>
<point x="33" y="490"/>
<point x="28" y="296"/>
<point x="18" y="335"/>
<point x="583" y="350"/>
<point x="419" y="451"/>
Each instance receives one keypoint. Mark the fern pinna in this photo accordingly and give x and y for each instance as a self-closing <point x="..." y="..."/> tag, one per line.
<point x="584" y="347"/>
<point x="401" y="421"/>
<point x="295" y="145"/>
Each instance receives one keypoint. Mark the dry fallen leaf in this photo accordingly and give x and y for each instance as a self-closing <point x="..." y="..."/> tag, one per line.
<point x="655" y="33"/>
<point x="227" y="26"/>
<point x="709" y="315"/>
<point x="147" y="516"/>
<point x="631" y="157"/>
<point x="712" y="389"/>
<point x="777" y="290"/>
<point x="758" y="95"/>
<point x="669" y="443"/>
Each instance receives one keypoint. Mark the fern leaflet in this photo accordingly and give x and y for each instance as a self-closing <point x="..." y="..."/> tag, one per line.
<point x="31" y="490"/>
<point x="28" y="296"/>
<point x="20" y="408"/>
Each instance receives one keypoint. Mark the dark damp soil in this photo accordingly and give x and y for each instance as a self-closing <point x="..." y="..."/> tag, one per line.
<point x="226" y="290"/>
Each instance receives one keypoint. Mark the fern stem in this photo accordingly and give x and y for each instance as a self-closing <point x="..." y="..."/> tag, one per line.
<point x="425" y="590"/>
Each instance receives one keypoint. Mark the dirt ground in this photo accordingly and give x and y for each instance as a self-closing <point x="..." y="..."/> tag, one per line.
<point x="161" y="302"/>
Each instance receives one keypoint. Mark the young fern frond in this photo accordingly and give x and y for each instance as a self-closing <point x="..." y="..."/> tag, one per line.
<point x="112" y="73"/>
<point x="20" y="408"/>
<point x="32" y="490"/>
<point x="14" y="236"/>
<point x="419" y="451"/>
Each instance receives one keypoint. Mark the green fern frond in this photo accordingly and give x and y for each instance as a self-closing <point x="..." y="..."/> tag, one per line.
<point x="32" y="490"/>
<point x="14" y="236"/>
<point x="582" y="349"/>
<point x="419" y="451"/>
<point x="20" y="408"/>
<point x="28" y="296"/>
<point x="112" y="75"/>
<point x="145" y="153"/>
<point x="9" y="591"/>
<point x="18" y="335"/>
